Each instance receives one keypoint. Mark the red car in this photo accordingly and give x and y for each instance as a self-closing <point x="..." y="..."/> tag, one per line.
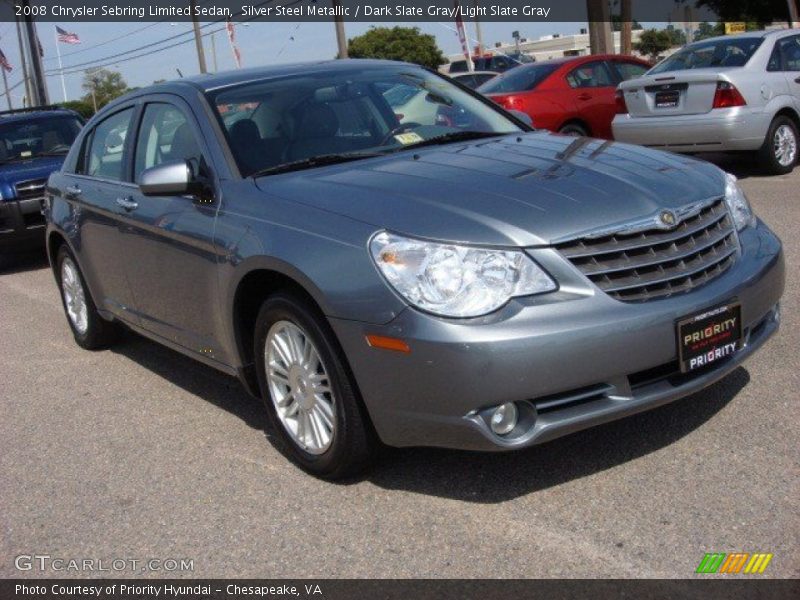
<point x="568" y="95"/>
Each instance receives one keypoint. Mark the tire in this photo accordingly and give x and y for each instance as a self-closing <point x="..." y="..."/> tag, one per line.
<point x="313" y="385"/>
<point x="779" y="157"/>
<point x="91" y="331"/>
<point x="573" y="129"/>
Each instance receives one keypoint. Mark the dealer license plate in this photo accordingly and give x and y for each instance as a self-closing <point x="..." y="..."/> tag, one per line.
<point x="668" y="99"/>
<point x="709" y="337"/>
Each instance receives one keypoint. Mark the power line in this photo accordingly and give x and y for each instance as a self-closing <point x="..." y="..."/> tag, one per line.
<point x="77" y="68"/>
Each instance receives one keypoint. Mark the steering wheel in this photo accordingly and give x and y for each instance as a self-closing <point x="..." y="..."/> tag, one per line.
<point x="399" y="129"/>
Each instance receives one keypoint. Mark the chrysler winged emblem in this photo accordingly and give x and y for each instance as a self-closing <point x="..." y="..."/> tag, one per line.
<point x="666" y="219"/>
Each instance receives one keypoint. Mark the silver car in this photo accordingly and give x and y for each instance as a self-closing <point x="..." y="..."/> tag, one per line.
<point x="731" y="93"/>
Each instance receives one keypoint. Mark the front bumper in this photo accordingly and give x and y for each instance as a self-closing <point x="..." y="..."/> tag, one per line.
<point x="22" y="224"/>
<point x="720" y="130"/>
<point x="570" y="359"/>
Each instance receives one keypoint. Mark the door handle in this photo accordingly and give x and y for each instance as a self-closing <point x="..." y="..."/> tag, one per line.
<point x="797" y="79"/>
<point x="127" y="203"/>
<point x="72" y="191"/>
<point x="584" y="96"/>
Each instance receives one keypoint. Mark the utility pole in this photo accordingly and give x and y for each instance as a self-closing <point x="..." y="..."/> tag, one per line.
<point x="341" y="40"/>
<point x="5" y="86"/>
<point x="39" y="87"/>
<point x="24" y="64"/>
<point x="214" y="50"/>
<point x="198" y="41"/>
<point x="626" y="31"/>
<point x="601" y="38"/>
<point x="478" y="34"/>
<point x="794" y="17"/>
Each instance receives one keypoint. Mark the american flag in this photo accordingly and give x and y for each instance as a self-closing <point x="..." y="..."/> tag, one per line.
<point x="4" y="62"/>
<point x="237" y="56"/>
<point x="67" y="37"/>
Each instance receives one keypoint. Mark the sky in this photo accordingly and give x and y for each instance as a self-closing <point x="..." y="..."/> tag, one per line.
<point x="259" y="43"/>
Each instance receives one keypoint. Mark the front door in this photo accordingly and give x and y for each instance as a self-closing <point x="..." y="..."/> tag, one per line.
<point x="171" y="255"/>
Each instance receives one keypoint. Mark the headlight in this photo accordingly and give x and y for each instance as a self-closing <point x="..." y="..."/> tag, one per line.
<point x="453" y="280"/>
<point x="737" y="203"/>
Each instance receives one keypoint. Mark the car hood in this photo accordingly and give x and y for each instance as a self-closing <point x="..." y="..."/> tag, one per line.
<point x="519" y="190"/>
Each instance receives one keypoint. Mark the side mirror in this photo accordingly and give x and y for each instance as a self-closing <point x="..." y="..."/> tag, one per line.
<point x="169" y="179"/>
<point x="524" y="117"/>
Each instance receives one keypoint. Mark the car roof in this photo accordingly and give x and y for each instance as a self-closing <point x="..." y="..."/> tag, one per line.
<point x="465" y="73"/>
<point x="747" y="34"/>
<point x="228" y="78"/>
<point x="13" y="116"/>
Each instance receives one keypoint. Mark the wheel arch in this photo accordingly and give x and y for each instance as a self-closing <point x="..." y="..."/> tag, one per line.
<point x="576" y="121"/>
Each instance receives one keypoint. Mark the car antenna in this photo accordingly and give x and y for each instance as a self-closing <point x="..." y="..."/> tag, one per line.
<point x="179" y="72"/>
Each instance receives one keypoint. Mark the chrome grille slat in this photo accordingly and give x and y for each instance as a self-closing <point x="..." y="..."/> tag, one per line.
<point x="655" y="263"/>
<point x="617" y="243"/>
<point x="33" y="188"/>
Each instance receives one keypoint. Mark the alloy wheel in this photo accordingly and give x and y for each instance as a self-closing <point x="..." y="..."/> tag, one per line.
<point x="784" y="144"/>
<point x="299" y="387"/>
<point x="74" y="296"/>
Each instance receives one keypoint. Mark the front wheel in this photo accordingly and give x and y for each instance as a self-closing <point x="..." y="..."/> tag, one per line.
<point x="779" y="152"/>
<point x="310" y="396"/>
<point x="574" y="129"/>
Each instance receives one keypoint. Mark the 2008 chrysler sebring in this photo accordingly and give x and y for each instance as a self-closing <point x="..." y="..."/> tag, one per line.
<point x="452" y="279"/>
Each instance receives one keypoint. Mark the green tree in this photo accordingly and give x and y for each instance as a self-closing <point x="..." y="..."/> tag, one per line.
<point x="397" y="43"/>
<point x="653" y="42"/>
<point x="760" y="12"/>
<point x="81" y="107"/>
<point x="705" y="30"/>
<point x="104" y="84"/>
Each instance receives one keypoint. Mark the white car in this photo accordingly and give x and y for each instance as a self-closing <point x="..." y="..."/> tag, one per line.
<point x="730" y="93"/>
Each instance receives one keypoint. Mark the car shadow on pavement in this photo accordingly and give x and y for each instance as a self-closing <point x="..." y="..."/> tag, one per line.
<point x="742" y="165"/>
<point x="468" y="476"/>
<point x="196" y="378"/>
<point x="497" y="477"/>
<point x="28" y="261"/>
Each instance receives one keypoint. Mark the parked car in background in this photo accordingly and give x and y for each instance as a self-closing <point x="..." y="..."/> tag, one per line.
<point x="473" y="285"/>
<point x="731" y="93"/>
<point x="33" y="144"/>
<point x="475" y="79"/>
<point x="574" y="96"/>
<point x="499" y="63"/>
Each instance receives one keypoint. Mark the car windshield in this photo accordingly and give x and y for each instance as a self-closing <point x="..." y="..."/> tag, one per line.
<point x="521" y="79"/>
<point x="313" y="118"/>
<point x="26" y="139"/>
<point x="729" y="52"/>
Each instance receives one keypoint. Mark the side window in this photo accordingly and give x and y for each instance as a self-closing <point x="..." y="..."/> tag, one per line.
<point x="590" y="75"/>
<point x="786" y="55"/>
<point x="165" y="135"/>
<point x="629" y="70"/>
<point x="107" y="146"/>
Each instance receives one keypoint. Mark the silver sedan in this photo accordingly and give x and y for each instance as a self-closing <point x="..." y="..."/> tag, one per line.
<point x="731" y="93"/>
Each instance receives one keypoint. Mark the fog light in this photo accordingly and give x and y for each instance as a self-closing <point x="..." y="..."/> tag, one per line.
<point x="504" y="418"/>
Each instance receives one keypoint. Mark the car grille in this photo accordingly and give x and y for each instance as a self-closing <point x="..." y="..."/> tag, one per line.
<point x="651" y="264"/>
<point x="28" y="190"/>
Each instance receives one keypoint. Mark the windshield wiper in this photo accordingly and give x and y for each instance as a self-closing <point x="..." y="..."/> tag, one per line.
<point x="455" y="136"/>
<point x="52" y="153"/>
<point x="315" y="161"/>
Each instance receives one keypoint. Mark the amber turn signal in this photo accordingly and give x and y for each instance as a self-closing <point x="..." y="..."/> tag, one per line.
<point x="388" y="343"/>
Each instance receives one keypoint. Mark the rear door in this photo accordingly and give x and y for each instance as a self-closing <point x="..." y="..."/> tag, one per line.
<point x="592" y="87"/>
<point x="169" y="239"/>
<point x="785" y="59"/>
<point x="100" y="178"/>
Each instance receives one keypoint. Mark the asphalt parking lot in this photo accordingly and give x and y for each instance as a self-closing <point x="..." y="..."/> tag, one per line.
<point x="138" y="452"/>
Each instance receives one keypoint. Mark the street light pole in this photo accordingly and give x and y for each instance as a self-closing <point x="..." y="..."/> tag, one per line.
<point x="478" y="34"/>
<point x="198" y="42"/>
<point x="24" y="63"/>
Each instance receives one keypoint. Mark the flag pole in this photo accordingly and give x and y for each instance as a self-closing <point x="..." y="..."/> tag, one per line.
<point x="5" y="85"/>
<point x="60" y="66"/>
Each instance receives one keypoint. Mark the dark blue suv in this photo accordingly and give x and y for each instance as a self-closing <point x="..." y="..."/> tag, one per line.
<point x="33" y="144"/>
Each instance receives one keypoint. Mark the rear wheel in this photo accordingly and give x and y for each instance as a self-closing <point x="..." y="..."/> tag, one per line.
<point x="575" y="129"/>
<point x="90" y="330"/>
<point x="310" y="396"/>
<point x="779" y="152"/>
